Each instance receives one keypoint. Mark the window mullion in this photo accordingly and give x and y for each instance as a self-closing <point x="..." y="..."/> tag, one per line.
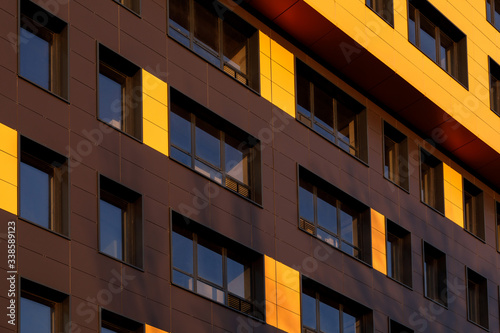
<point x="191" y="24"/>
<point x="417" y="27"/>
<point x="195" y="262"/>
<point x="335" y="120"/>
<point x="221" y="42"/>
<point x="224" y="275"/>
<point x="193" y="140"/>
<point x="315" y="207"/>
<point x="318" y="318"/>
<point x="437" y="33"/>
<point x="311" y="99"/>
<point x="222" y="157"/>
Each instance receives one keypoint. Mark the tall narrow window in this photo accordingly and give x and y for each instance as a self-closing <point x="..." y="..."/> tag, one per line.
<point x="114" y="323"/>
<point x="218" y="35"/>
<point x="477" y="298"/>
<point x="473" y="210"/>
<point x="331" y="112"/>
<point x="43" y="49"/>
<point x="493" y="12"/>
<point x="435" y="274"/>
<point x="495" y="86"/>
<point x="399" y="263"/>
<point x="431" y="181"/>
<point x="433" y="34"/>
<point x="395" y="156"/>
<point x="384" y="9"/>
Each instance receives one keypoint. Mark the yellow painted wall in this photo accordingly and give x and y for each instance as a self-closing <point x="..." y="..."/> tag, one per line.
<point x="379" y="249"/>
<point x="470" y="107"/>
<point x="282" y="296"/>
<point x="155" y="112"/>
<point x="453" y="195"/>
<point x="277" y="74"/>
<point x="151" y="329"/>
<point x="8" y="169"/>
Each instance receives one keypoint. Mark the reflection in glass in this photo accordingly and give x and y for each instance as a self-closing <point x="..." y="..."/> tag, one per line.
<point x="327" y="212"/>
<point x="427" y="37"/>
<point x="35" y="195"/>
<point x="235" y="47"/>
<point x="308" y="311"/>
<point x="35" y="317"/>
<point x="182" y="280"/>
<point x="182" y="252"/>
<point x="236" y="159"/>
<point x="238" y="279"/>
<point x="110" y="101"/>
<point x="210" y="292"/>
<point x="111" y="230"/>
<point x="329" y="318"/>
<point x="306" y="201"/>
<point x="210" y="263"/>
<point x="34" y="58"/>
<point x="207" y="142"/>
<point x="180" y="128"/>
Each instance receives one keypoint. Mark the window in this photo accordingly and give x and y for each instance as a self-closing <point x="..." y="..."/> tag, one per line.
<point x="44" y="187"/>
<point x="396" y="327"/>
<point x="333" y="216"/>
<point x="477" y="298"/>
<point x="497" y="204"/>
<point x="43" y="49"/>
<point x="495" y="86"/>
<point x="331" y="112"/>
<point x="42" y="310"/>
<point x="493" y="12"/>
<point x="133" y="5"/>
<point x="115" y="323"/>
<point x="218" y="35"/>
<point x="384" y="8"/>
<point x="213" y="147"/>
<point x="395" y="156"/>
<point x="431" y="181"/>
<point x="120" y="93"/>
<point x="473" y="210"/>
<point x="435" y="275"/>
<point x="120" y="222"/>
<point x="324" y="310"/>
<point x="216" y="267"/>
<point x="433" y="34"/>
<point x="399" y="266"/>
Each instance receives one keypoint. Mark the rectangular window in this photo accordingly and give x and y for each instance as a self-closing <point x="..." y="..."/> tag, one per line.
<point x="395" y="327"/>
<point x="324" y="310"/>
<point x="493" y="12"/>
<point x="497" y="206"/>
<point x="433" y="34"/>
<point x="43" y="187"/>
<point x="213" y="147"/>
<point x="331" y="112"/>
<point x="42" y="310"/>
<point x="495" y="86"/>
<point x="120" y="93"/>
<point x="218" y="35"/>
<point x="114" y="323"/>
<point x="477" y="298"/>
<point x="473" y="210"/>
<point x="395" y="156"/>
<point x="435" y="283"/>
<point x="120" y="222"/>
<point x="43" y="48"/>
<point x="216" y="267"/>
<point x="431" y="181"/>
<point x="399" y="263"/>
<point x="333" y="216"/>
<point x="384" y="9"/>
<point x="133" y="5"/>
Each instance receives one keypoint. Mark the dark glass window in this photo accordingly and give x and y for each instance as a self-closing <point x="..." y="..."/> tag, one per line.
<point x="114" y="323"/>
<point x="331" y="215"/>
<point x="399" y="263"/>
<point x="435" y="282"/>
<point x="120" y="222"/>
<point x="395" y="156"/>
<point x="384" y="8"/>
<point x="494" y="87"/>
<point x="330" y="112"/>
<point x="493" y="12"/>
<point x="438" y="38"/>
<point x="215" y="267"/>
<point x="477" y="298"/>
<point x="35" y="194"/>
<point x="213" y="147"/>
<point x="497" y="206"/>
<point x="43" y="50"/>
<point x="218" y="35"/>
<point x="133" y="5"/>
<point x="431" y="181"/>
<point x="396" y="327"/>
<point x="473" y="210"/>
<point x="36" y="316"/>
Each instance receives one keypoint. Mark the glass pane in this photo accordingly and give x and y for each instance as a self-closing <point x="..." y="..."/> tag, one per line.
<point x="427" y="37"/>
<point x="323" y="108"/>
<point x="446" y="53"/>
<point x="349" y="224"/>
<point x="182" y="251"/>
<point x="179" y="15"/>
<point x="495" y="94"/>
<point x="321" y="130"/>
<point x="488" y="10"/>
<point x="208" y="142"/>
<point x="180" y="128"/>
<point x="237" y="160"/>
<point x="35" y="195"/>
<point x="210" y="263"/>
<point x="210" y="292"/>
<point x="182" y="280"/>
<point x="346" y="119"/>
<point x="326" y="237"/>
<point x="106" y="330"/>
<point x="395" y="256"/>
<point x="390" y="159"/>
<point x="469" y="212"/>
<point x="327" y="212"/>
<point x="206" y="27"/>
<point x="349" y="323"/>
<point x="35" y="317"/>
<point x="497" y="14"/>
<point x="308" y="311"/>
<point x="180" y="156"/>
<point x="110" y="101"/>
<point x="329" y="318"/>
<point x="411" y="25"/>
<point x="111" y="229"/>
<point x="34" y="58"/>
<point x="238" y="279"/>
<point x="208" y="171"/>
<point x="235" y="47"/>
<point x="304" y="95"/>
<point x="306" y="201"/>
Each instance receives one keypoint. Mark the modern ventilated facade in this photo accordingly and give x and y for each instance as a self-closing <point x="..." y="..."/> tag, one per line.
<point x="250" y="166"/>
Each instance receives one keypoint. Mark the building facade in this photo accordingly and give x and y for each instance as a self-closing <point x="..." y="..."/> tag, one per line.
<point x="250" y="166"/>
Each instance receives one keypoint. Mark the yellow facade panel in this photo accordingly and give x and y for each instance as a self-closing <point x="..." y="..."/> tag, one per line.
<point x="288" y="321"/>
<point x="287" y="276"/>
<point x="283" y="99"/>
<point x="378" y="221"/>
<point x="270" y="268"/>
<point x="454" y="213"/>
<point x="288" y="298"/>
<point x="282" y="56"/>
<point x="8" y="143"/>
<point x="378" y="241"/>
<point x="8" y="168"/>
<point x="8" y="197"/>
<point x="154" y="87"/>
<point x="271" y="291"/>
<point x="265" y="65"/>
<point x="271" y="314"/>
<point x="151" y="329"/>
<point x="155" y="137"/>
<point x="265" y="88"/>
<point x="155" y="112"/>
<point x="264" y="44"/>
<point x="283" y="78"/>
<point x="453" y="194"/>
<point x="379" y="261"/>
<point x="451" y="176"/>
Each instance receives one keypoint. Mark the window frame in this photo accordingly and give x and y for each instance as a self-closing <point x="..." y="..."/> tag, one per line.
<point x="401" y="163"/>
<point x="475" y="226"/>
<point x="117" y="322"/>
<point x="481" y="299"/>
<point x="133" y="6"/>
<point x="494" y="84"/>
<point x="492" y="13"/>
<point x="404" y="239"/>
<point x="441" y="285"/>
<point x="497" y="225"/>
<point x="435" y="181"/>
<point x="399" y="327"/>
<point x="377" y="6"/>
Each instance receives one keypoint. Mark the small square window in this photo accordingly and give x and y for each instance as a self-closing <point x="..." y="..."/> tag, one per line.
<point x="399" y="265"/>
<point x="120" y="222"/>
<point x="120" y="93"/>
<point x="495" y="86"/>
<point x="473" y="210"/>
<point x="115" y="323"/>
<point x="395" y="327"/>
<point x="133" y="5"/>
<point x="493" y="12"/>
<point x="43" y="49"/>
<point x="477" y="298"/>
<point x="384" y="9"/>
<point x="395" y="156"/>
<point x="44" y="187"/>
<point x="42" y="310"/>
<point x="431" y="181"/>
<point x="435" y="282"/>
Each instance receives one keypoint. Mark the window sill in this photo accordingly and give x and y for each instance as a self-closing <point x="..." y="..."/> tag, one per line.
<point x="391" y="24"/>
<point x="120" y="131"/>
<point x="121" y="261"/>
<point x="478" y="325"/>
<point x="432" y="208"/>
<point x="43" y="228"/>
<point x="44" y="89"/>
<point x="129" y="9"/>
<point x="482" y="240"/>
<point x="436" y="302"/>
<point x="396" y="184"/>
<point x="400" y="283"/>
